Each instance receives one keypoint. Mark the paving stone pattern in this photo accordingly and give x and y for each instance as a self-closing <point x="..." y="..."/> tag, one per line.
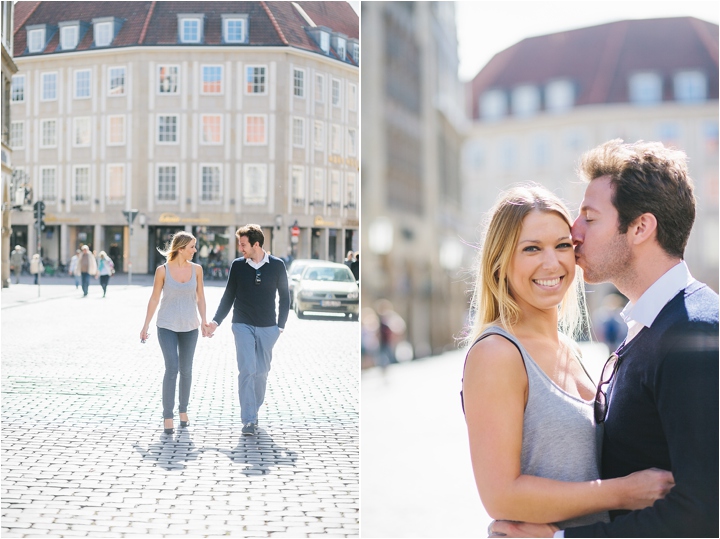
<point x="84" y="454"/>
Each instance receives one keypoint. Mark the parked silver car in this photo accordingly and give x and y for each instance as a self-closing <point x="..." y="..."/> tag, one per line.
<point x="295" y="271"/>
<point x="326" y="288"/>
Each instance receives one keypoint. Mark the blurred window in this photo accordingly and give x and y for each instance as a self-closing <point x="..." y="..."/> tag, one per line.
<point x="81" y="184"/>
<point x="525" y="100"/>
<point x="82" y="84"/>
<point x="103" y="32"/>
<point x="255" y="80"/>
<point x="212" y="77"/>
<point x="69" y="37"/>
<point x="234" y="30"/>
<point x="48" y="184"/>
<point x="18" y="89"/>
<point x="116" y="130"/>
<point x="117" y="81"/>
<point x="81" y="132"/>
<point x="336" y="96"/>
<point x="352" y="97"/>
<point x="190" y="30"/>
<point x="319" y="135"/>
<point x="299" y="132"/>
<point x="36" y="39"/>
<point x="211" y="129"/>
<point x="211" y="186"/>
<point x="508" y="154"/>
<point x="334" y="189"/>
<point x="17" y="135"/>
<point x="352" y="142"/>
<point x="167" y="79"/>
<point x="167" y="183"/>
<point x="298" y="185"/>
<point x="49" y="87"/>
<point x="559" y="95"/>
<point x="690" y="86"/>
<point x="541" y="150"/>
<point x="325" y="42"/>
<point x="255" y="185"/>
<point x="669" y="133"/>
<point x="116" y="183"/>
<point x="255" y="132"/>
<point x="336" y="140"/>
<point x="710" y="135"/>
<point x="167" y="129"/>
<point x="645" y="88"/>
<point x="318" y="188"/>
<point x="48" y="131"/>
<point x="493" y="105"/>
<point x="298" y="82"/>
<point x="351" y="191"/>
<point x="320" y="88"/>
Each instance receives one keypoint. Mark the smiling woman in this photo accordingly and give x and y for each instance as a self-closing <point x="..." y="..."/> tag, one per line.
<point x="527" y="397"/>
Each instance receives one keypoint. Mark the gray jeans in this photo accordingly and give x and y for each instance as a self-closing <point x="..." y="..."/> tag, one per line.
<point x="178" y="349"/>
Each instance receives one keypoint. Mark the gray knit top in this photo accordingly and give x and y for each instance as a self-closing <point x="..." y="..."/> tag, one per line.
<point x="178" y="305"/>
<point x="560" y="439"/>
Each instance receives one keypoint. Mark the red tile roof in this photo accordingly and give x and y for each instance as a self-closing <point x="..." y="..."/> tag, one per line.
<point x="155" y="23"/>
<point x="600" y="59"/>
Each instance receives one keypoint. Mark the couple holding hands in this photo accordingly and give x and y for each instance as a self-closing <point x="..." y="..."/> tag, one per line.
<point x="254" y="281"/>
<point x="554" y="452"/>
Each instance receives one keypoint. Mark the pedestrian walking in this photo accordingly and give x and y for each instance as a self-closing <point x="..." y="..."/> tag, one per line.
<point x="36" y="266"/>
<point x="17" y="260"/>
<point x="355" y="266"/>
<point x="254" y="282"/>
<point x="179" y="284"/>
<point x="74" y="266"/>
<point x="106" y="269"/>
<point x="87" y="266"/>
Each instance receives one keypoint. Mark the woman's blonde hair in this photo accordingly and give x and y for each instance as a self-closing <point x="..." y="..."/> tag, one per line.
<point x="179" y="241"/>
<point x="492" y="301"/>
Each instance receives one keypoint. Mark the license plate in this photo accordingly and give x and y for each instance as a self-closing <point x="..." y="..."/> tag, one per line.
<point x="329" y="303"/>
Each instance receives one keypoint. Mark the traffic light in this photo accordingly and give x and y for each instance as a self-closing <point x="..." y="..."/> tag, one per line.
<point x="39" y="215"/>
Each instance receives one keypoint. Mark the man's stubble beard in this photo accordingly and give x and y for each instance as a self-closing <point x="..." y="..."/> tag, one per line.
<point x="616" y="266"/>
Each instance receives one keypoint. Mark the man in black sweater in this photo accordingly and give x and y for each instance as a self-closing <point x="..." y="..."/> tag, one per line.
<point x="659" y="399"/>
<point x="254" y="281"/>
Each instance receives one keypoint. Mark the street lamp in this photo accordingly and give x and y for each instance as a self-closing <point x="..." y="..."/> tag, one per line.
<point x="130" y="216"/>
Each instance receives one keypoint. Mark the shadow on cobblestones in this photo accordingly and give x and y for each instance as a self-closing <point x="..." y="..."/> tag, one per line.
<point x="259" y="454"/>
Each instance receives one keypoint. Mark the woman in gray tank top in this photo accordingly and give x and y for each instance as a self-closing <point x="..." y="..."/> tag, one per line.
<point x="527" y="398"/>
<point x="180" y="284"/>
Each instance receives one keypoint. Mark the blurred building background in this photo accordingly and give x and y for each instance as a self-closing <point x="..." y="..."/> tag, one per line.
<point x="538" y="105"/>
<point x="412" y="103"/>
<point x="531" y="113"/>
<point x="201" y="116"/>
<point x="8" y="70"/>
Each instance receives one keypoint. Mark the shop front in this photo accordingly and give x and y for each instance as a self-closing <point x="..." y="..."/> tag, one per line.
<point x="215" y="250"/>
<point x="114" y="245"/>
<point x="159" y="237"/>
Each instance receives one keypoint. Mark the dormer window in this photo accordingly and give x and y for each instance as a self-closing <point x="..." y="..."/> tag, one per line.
<point x="235" y="29"/>
<point x="559" y="95"/>
<point x="645" y="88"/>
<point x="190" y="28"/>
<point x="104" y="30"/>
<point x="321" y="36"/>
<point x="493" y="105"/>
<point x="71" y="32"/>
<point x="36" y="38"/>
<point x="525" y="100"/>
<point x="690" y="86"/>
<point x="354" y="49"/>
<point x="339" y="42"/>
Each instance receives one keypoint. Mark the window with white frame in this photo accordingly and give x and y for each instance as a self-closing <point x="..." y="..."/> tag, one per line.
<point x="17" y="135"/>
<point x="298" y="132"/>
<point x="254" y="184"/>
<point x="336" y="140"/>
<point x="352" y="97"/>
<point x="352" y="142"/>
<point x="645" y="88"/>
<point x="48" y="187"/>
<point x="234" y="30"/>
<point x="167" y="129"/>
<point x="81" y="132"/>
<point x="351" y="190"/>
<point x="319" y="135"/>
<point x="319" y="88"/>
<point x="48" y="133"/>
<point x="116" y="183"/>
<point x="36" y="40"/>
<point x="81" y="184"/>
<point x="212" y="79"/>
<point x="166" y="188"/>
<point x="690" y="86"/>
<point x="298" y="185"/>
<point x="493" y="105"/>
<point x="17" y="91"/>
<point x="335" y="188"/>
<point x="103" y="33"/>
<point x="325" y="42"/>
<point x="336" y="97"/>
<point x="69" y="37"/>
<point x="299" y="82"/>
<point x="559" y="95"/>
<point x="211" y="183"/>
<point x="255" y="131"/>
<point x="191" y="30"/>
<point x="255" y="80"/>
<point x="340" y="49"/>
<point x="116" y="130"/>
<point x="82" y="83"/>
<point x="117" y="81"/>
<point x="49" y="87"/>
<point x="168" y="79"/>
<point x="211" y="129"/>
<point x="525" y="100"/>
<point x="318" y="188"/>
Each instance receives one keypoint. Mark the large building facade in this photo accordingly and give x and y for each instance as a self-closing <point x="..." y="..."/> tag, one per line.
<point x="411" y="196"/>
<point x="202" y="116"/>
<point x="538" y="105"/>
<point x="8" y="69"/>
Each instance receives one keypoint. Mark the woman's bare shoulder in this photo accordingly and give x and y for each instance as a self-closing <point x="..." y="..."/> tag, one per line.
<point x="494" y="353"/>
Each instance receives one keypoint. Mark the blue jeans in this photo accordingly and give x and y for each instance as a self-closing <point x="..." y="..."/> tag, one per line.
<point x="178" y="349"/>
<point x="253" y="346"/>
<point x="85" y="277"/>
<point x="77" y="280"/>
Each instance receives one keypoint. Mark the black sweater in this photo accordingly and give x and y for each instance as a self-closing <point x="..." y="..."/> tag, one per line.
<point x="663" y="413"/>
<point x="255" y="303"/>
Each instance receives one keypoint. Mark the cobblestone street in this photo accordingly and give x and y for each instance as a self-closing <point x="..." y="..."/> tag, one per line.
<point x="83" y="450"/>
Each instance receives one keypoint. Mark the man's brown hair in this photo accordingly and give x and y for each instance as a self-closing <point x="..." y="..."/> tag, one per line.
<point x="647" y="177"/>
<point x="253" y="233"/>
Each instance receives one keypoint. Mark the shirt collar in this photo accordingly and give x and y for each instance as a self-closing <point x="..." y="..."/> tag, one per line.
<point x="253" y="265"/>
<point x="657" y="296"/>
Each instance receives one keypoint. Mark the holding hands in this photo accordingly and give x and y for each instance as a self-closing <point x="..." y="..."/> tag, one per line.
<point x="208" y="328"/>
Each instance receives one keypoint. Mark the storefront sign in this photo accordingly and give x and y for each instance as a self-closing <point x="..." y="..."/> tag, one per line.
<point x="172" y="218"/>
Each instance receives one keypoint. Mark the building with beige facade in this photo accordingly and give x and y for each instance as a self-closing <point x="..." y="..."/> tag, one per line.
<point x="8" y="69"/>
<point x="201" y="116"/>
<point x="411" y="186"/>
<point x="538" y="105"/>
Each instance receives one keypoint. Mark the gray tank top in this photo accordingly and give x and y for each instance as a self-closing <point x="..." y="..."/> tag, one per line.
<point x="178" y="305"/>
<point x="560" y="439"/>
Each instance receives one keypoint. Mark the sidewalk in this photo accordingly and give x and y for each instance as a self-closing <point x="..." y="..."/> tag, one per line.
<point x="83" y="450"/>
